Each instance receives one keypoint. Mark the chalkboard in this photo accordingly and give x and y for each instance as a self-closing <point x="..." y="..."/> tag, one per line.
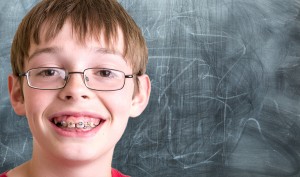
<point x="225" y="90"/>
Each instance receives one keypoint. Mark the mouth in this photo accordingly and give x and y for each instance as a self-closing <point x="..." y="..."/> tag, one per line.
<point x="76" y="123"/>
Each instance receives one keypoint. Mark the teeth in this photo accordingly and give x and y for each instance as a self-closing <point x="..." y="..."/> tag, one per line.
<point x="64" y="124"/>
<point x="71" y="125"/>
<point x="79" y="125"/>
<point x="96" y="124"/>
<point x="89" y="124"/>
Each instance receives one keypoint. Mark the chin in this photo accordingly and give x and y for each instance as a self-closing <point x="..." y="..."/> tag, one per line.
<point x="78" y="157"/>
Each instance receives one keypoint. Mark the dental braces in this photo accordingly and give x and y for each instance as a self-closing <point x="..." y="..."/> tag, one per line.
<point x="80" y="125"/>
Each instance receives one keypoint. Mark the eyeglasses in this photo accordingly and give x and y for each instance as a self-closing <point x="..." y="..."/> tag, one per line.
<point x="53" y="78"/>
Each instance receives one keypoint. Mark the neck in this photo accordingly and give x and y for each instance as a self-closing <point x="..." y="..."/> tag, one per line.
<point x="46" y="165"/>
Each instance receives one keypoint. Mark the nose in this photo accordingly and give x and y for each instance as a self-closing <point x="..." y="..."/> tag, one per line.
<point x="75" y="88"/>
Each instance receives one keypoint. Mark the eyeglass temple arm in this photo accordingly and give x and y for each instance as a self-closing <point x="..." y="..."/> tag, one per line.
<point x="22" y="74"/>
<point x="128" y="76"/>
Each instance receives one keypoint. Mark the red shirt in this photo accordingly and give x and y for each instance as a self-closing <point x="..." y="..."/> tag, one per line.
<point x="114" y="173"/>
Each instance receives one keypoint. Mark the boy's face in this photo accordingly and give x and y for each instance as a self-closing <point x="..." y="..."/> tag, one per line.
<point x="76" y="103"/>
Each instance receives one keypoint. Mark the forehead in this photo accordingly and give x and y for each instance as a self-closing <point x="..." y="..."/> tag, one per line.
<point x="69" y="33"/>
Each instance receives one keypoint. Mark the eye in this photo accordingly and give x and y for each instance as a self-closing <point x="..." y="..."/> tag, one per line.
<point x="48" y="72"/>
<point x="106" y="73"/>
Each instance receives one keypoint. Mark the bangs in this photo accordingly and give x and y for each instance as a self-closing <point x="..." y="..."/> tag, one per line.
<point x="87" y="19"/>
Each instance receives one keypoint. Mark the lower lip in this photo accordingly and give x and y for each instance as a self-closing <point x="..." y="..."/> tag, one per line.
<point x="77" y="132"/>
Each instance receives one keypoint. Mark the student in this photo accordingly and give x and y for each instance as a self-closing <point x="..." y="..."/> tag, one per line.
<point x="78" y="75"/>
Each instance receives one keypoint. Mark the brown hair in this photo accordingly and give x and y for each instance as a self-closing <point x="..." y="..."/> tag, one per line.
<point x="89" y="18"/>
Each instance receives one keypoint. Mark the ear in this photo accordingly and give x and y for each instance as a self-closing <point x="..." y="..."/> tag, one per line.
<point x="16" y="96"/>
<point x="141" y="97"/>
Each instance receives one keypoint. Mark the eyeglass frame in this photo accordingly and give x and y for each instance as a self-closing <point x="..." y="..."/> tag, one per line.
<point x="67" y="77"/>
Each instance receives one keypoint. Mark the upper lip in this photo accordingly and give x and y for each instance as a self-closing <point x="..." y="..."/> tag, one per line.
<point x="76" y="114"/>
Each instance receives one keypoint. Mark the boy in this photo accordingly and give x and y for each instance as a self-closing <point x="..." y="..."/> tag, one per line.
<point x="78" y="75"/>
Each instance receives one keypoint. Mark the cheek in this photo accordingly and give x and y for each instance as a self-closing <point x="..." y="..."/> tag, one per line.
<point x="36" y="102"/>
<point x="119" y="103"/>
<point x="120" y="106"/>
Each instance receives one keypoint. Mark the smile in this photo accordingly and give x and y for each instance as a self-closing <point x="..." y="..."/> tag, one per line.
<point x="76" y="122"/>
<point x="79" y="125"/>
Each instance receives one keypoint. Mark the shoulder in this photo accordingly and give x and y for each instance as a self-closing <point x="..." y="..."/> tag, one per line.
<point x="3" y="174"/>
<point x="115" y="173"/>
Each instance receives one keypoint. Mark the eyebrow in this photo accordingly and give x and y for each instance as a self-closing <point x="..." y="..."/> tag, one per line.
<point x="57" y="50"/>
<point x="48" y="50"/>
<point x="107" y="51"/>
